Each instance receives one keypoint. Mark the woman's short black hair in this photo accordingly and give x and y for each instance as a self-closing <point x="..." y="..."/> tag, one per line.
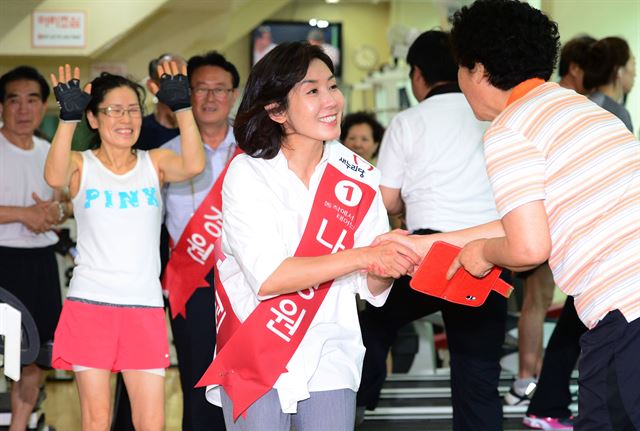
<point x="362" y="117"/>
<point x="513" y="41"/>
<point x="24" y="73"/>
<point x="269" y="84"/>
<point x="431" y="53"/>
<point x="604" y="59"/>
<point x="102" y="85"/>
<point x="213" y="58"/>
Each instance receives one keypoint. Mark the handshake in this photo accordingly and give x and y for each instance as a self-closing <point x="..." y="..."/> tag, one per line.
<point x="397" y="253"/>
<point x="393" y="254"/>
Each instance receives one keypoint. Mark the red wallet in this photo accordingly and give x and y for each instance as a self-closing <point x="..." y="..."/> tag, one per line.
<point x="463" y="288"/>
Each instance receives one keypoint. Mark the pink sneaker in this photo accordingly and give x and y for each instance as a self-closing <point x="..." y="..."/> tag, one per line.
<point x="537" y="423"/>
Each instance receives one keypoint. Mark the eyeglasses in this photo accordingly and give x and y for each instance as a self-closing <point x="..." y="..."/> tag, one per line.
<point x="219" y="93"/>
<point x="115" y="111"/>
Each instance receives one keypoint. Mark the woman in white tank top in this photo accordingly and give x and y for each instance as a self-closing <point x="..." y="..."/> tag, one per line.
<point x="113" y="319"/>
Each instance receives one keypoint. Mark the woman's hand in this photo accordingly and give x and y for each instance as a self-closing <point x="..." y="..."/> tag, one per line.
<point x="391" y="259"/>
<point x="174" y="86"/>
<point x="471" y="258"/>
<point x="419" y="244"/>
<point x="72" y="100"/>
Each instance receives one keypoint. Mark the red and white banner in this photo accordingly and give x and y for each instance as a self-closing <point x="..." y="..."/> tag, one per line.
<point x="193" y="257"/>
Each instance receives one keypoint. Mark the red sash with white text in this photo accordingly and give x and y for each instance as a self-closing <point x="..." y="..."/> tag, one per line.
<point x="249" y="362"/>
<point x="193" y="257"/>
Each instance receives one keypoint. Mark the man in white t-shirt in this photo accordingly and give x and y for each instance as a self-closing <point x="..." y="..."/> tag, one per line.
<point x="28" y="210"/>
<point x="432" y="165"/>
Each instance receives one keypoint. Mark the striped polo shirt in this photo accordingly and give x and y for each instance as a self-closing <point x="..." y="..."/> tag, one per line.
<point x="555" y="145"/>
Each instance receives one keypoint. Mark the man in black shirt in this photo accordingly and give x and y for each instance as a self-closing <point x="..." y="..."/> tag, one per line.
<point x="159" y="126"/>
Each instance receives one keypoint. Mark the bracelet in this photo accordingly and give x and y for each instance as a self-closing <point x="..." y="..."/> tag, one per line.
<point x="61" y="212"/>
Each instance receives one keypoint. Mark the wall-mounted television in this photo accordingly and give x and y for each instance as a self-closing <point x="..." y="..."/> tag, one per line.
<point x="270" y="33"/>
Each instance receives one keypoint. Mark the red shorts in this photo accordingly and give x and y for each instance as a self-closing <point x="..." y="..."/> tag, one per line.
<point x="110" y="337"/>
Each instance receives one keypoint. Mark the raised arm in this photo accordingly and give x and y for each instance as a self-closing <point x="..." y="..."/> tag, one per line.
<point x="61" y="162"/>
<point x="174" y="92"/>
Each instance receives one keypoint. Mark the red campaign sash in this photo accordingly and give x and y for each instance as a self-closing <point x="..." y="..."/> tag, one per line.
<point x="226" y="320"/>
<point x="193" y="257"/>
<point x="250" y="362"/>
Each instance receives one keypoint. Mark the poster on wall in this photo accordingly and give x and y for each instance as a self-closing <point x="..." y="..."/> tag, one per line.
<point x="58" y="29"/>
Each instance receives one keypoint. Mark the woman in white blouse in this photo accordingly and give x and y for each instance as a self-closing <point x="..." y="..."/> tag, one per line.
<point x="299" y="211"/>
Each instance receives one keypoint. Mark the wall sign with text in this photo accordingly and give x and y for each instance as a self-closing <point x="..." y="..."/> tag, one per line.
<point x="58" y="29"/>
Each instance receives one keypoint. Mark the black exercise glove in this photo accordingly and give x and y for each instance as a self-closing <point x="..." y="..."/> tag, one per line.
<point x="72" y="100"/>
<point x="174" y="92"/>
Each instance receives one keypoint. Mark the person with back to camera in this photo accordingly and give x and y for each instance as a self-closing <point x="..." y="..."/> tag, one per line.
<point x="609" y="76"/>
<point x="566" y="179"/>
<point x="550" y="404"/>
<point x="362" y="133"/>
<point x="113" y="317"/>
<point x="299" y="212"/>
<point x="432" y="167"/>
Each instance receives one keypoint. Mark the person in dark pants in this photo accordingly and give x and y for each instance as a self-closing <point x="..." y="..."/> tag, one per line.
<point x="195" y="345"/>
<point x="214" y="88"/>
<point x="551" y="401"/>
<point x="552" y="397"/>
<point x="29" y="209"/>
<point x="564" y="174"/>
<point x="474" y="337"/>
<point x="612" y="345"/>
<point x="432" y="167"/>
